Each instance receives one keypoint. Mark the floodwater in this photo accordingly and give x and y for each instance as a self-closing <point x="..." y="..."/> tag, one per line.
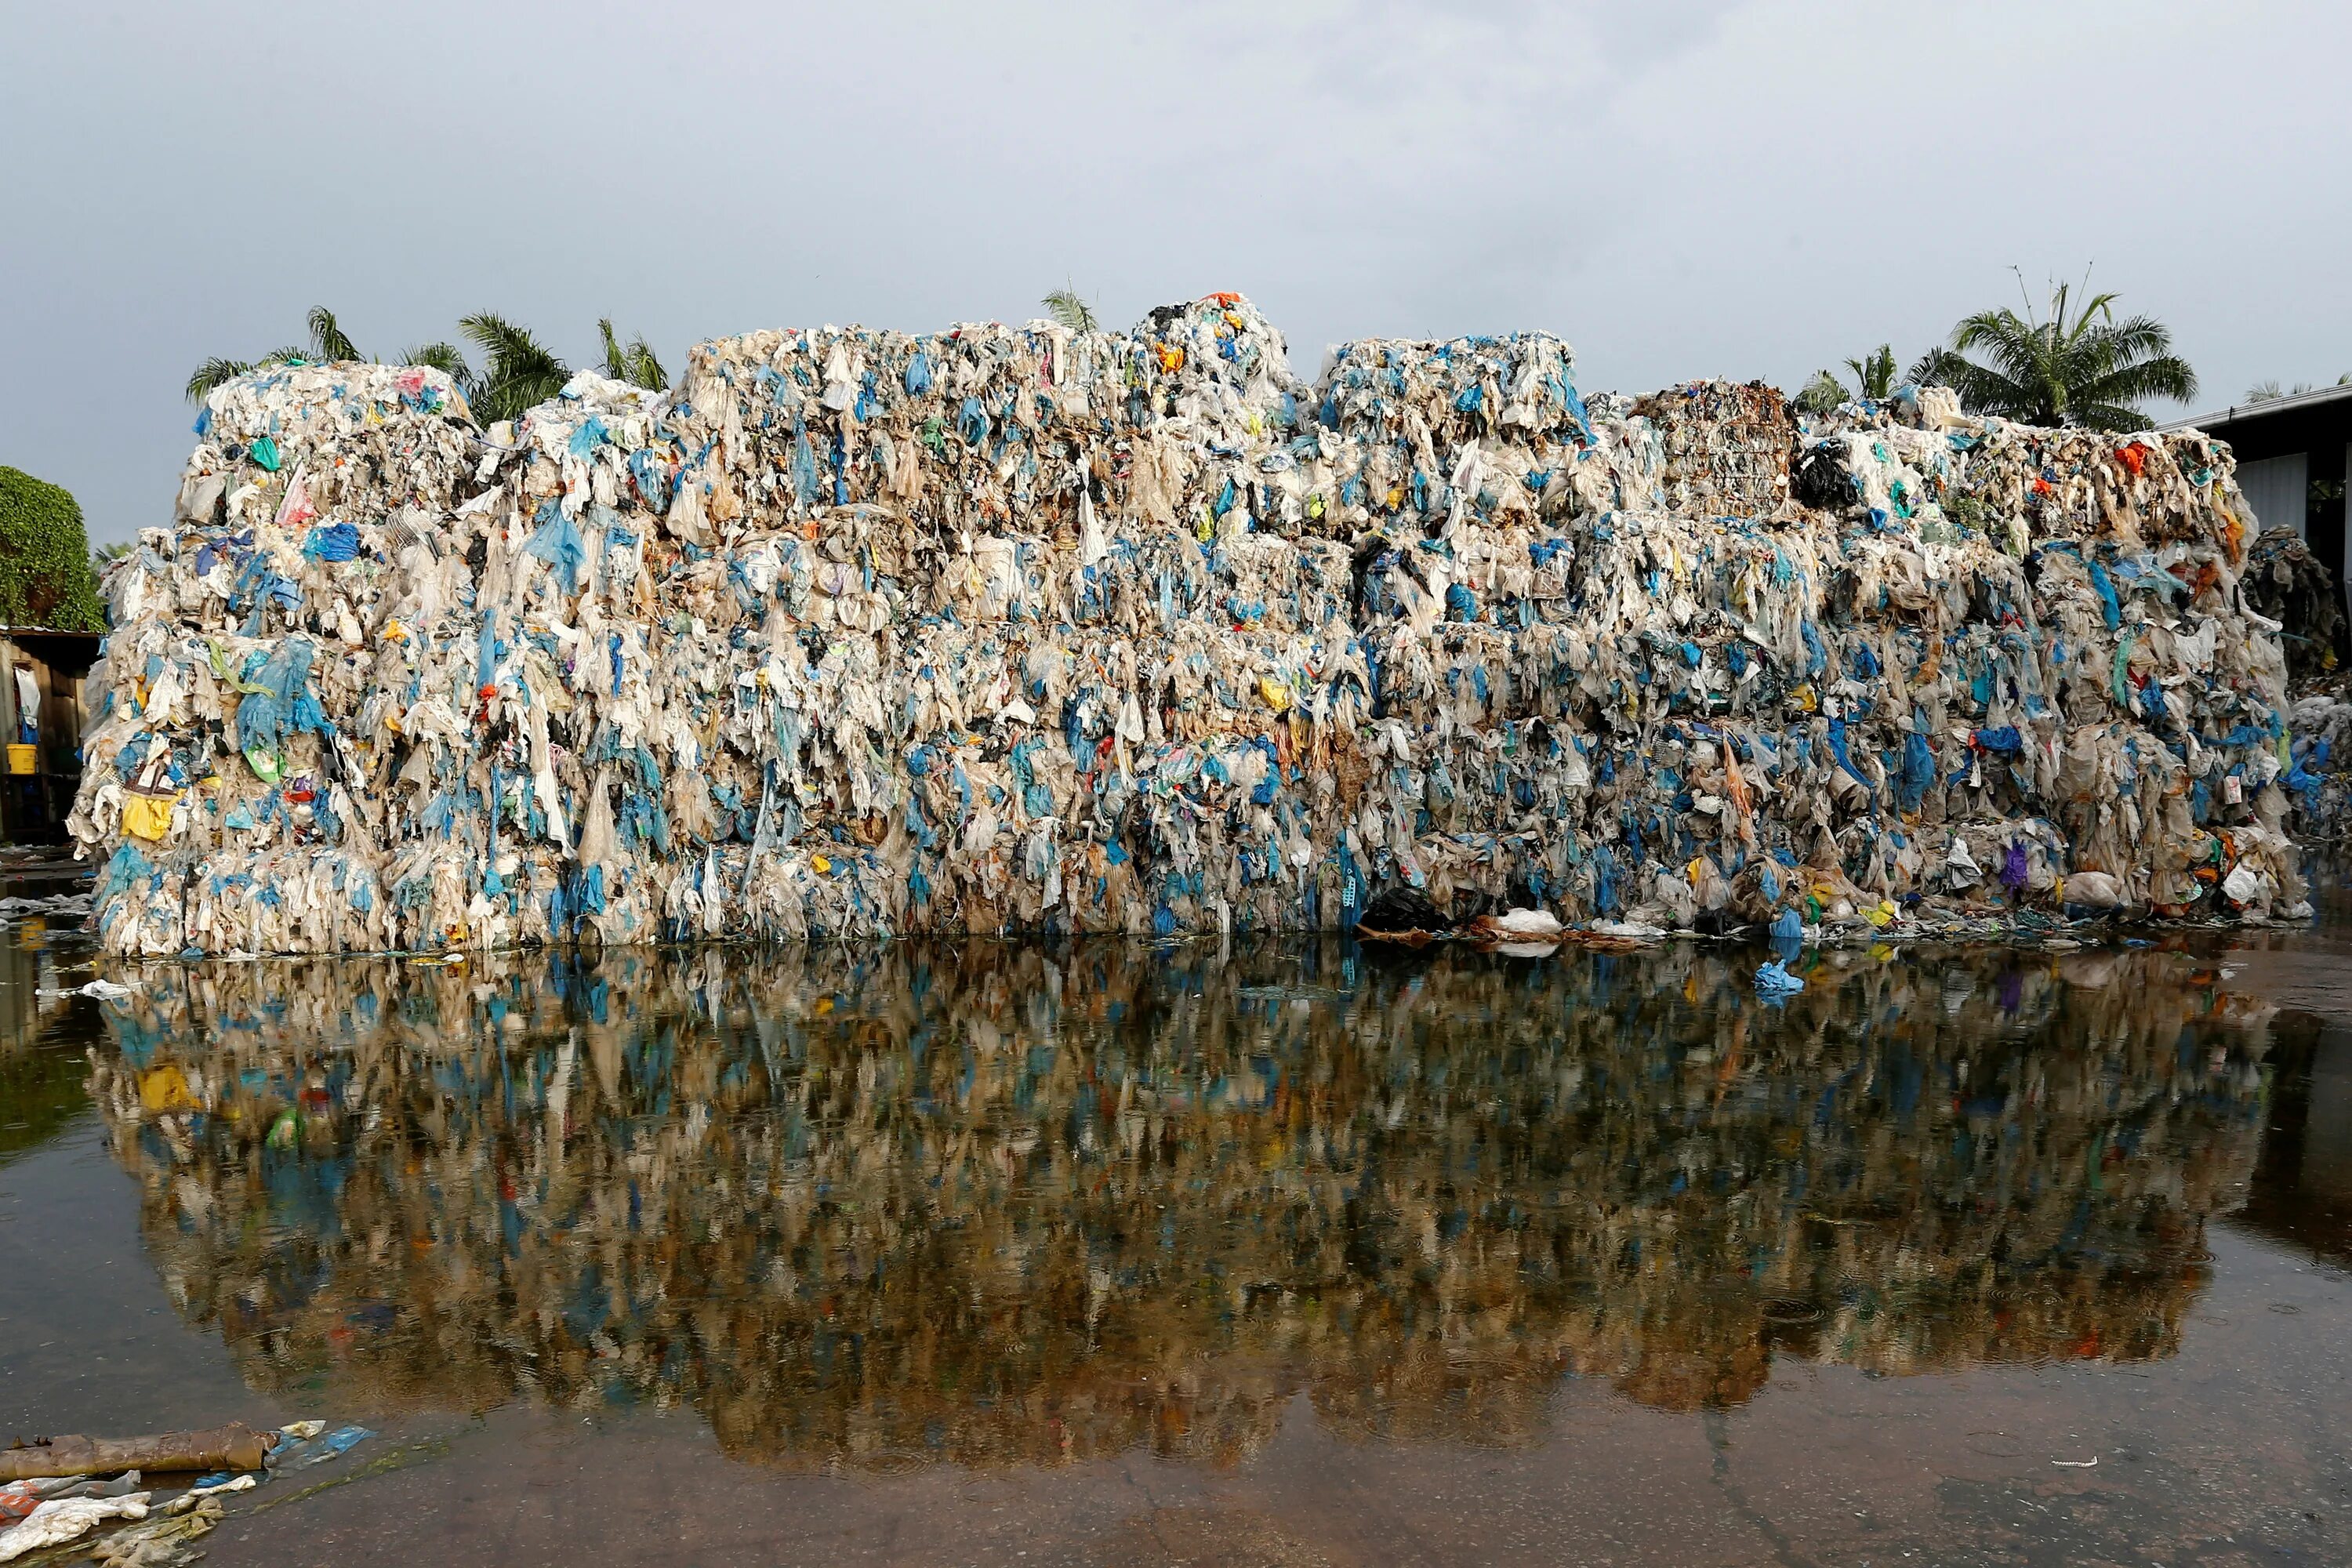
<point x="1274" y="1253"/>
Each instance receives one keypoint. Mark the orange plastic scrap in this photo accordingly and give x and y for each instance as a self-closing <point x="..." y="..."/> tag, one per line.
<point x="1735" y="785"/>
<point x="2134" y="456"/>
<point x="1222" y="297"/>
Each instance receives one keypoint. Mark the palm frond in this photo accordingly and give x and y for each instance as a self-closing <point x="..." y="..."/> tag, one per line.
<point x="636" y="363"/>
<point x="214" y="372"/>
<point x="2118" y="417"/>
<point x="518" y="370"/>
<point x="1933" y="368"/>
<point x="508" y="349"/>
<point x="1874" y="373"/>
<point x="2142" y="335"/>
<point x="2098" y="307"/>
<point x="647" y="366"/>
<point x="329" y="341"/>
<point x="510" y="398"/>
<point x="1065" y="306"/>
<point x="1986" y="391"/>
<point x="2000" y="331"/>
<point x="1821" y="394"/>
<point x="447" y="358"/>
<point x="2163" y="377"/>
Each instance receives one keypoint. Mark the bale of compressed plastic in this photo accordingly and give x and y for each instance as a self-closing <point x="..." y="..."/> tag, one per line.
<point x="858" y="633"/>
<point x="2286" y="582"/>
<point x="1723" y="447"/>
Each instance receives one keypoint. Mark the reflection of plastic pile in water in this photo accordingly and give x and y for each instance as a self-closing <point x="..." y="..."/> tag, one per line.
<point x="858" y="632"/>
<point x="1030" y="1204"/>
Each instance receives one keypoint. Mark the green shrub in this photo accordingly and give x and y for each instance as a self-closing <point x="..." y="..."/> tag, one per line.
<point x="44" y="575"/>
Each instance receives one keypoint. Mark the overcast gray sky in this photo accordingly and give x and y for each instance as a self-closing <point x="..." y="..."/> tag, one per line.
<point x="1679" y="187"/>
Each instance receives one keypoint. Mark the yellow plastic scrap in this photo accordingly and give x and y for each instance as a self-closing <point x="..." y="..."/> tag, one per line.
<point x="147" y="816"/>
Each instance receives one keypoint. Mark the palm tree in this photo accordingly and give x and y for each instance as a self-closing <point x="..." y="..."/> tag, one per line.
<point x="518" y="370"/>
<point x="635" y="364"/>
<point x="1874" y="381"/>
<point x="1821" y="394"/>
<point x="2269" y="391"/>
<point x="1065" y="306"/>
<point x="1873" y="376"/>
<point x="2080" y="366"/>
<point x="328" y="338"/>
<point x="329" y="343"/>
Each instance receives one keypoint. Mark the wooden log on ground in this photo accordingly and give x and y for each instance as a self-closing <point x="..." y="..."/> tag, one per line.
<point x="235" y="1446"/>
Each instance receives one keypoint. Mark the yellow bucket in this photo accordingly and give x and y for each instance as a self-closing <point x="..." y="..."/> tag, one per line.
<point x="24" y="758"/>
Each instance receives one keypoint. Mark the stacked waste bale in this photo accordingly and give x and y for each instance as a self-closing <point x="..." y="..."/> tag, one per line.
<point x="2287" y="582"/>
<point x="2104" y="677"/>
<point x="858" y="633"/>
<point x="1726" y="447"/>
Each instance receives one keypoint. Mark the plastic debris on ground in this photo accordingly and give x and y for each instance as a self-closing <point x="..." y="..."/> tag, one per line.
<point x="856" y="633"/>
<point x="102" y="989"/>
<point x="160" y="1542"/>
<point x="55" y="1522"/>
<point x="40" y="1513"/>
<point x="12" y="909"/>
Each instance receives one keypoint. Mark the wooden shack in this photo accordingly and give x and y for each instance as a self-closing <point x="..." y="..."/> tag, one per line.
<point x="42" y="717"/>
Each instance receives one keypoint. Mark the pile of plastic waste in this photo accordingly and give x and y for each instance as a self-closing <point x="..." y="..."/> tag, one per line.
<point x="861" y="632"/>
<point x="2319" y="785"/>
<point x="2288" y="582"/>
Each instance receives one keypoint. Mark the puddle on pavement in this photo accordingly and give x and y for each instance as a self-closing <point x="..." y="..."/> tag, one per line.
<point x="1282" y="1252"/>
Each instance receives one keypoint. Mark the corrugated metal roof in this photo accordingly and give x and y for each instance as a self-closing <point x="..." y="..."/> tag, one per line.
<point x="2239" y="411"/>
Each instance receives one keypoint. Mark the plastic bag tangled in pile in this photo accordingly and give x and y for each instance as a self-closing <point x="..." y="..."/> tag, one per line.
<point x="860" y="632"/>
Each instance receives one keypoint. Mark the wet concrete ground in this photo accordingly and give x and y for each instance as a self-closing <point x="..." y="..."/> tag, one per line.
<point x="1284" y="1256"/>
